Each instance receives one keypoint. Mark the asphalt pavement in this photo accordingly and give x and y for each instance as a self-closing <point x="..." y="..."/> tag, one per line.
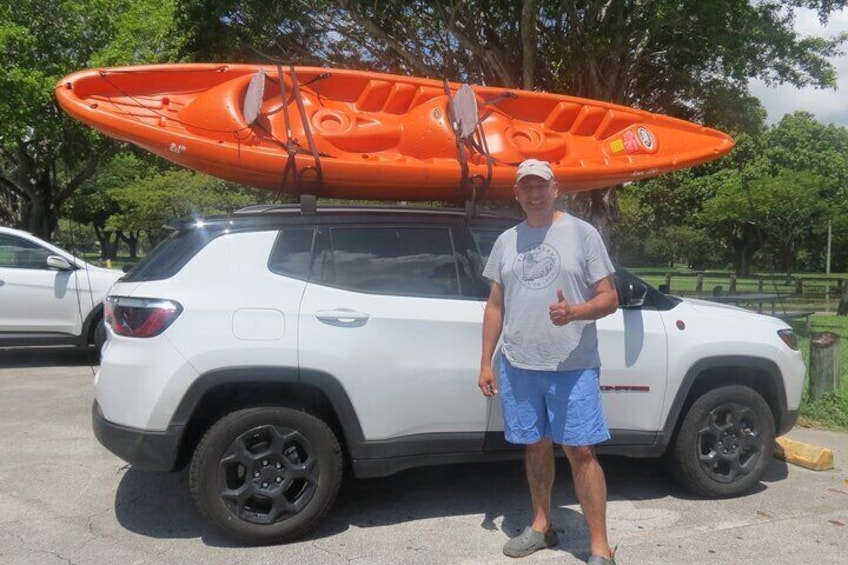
<point x="65" y="499"/>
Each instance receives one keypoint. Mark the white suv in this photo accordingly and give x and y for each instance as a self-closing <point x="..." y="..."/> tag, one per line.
<point x="48" y="296"/>
<point x="271" y="347"/>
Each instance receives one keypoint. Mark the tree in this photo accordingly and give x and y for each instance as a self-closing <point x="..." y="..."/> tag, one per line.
<point x="801" y="143"/>
<point x="690" y="58"/>
<point x="44" y="155"/>
<point x="93" y="204"/>
<point x="149" y="202"/>
<point x="783" y="210"/>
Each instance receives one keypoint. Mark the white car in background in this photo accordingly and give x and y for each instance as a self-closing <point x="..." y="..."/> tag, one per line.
<point x="48" y="296"/>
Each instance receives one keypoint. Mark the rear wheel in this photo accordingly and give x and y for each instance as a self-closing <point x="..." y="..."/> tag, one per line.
<point x="724" y="444"/>
<point x="266" y="475"/>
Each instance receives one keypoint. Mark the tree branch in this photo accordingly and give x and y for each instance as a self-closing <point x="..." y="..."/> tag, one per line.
<point x="378" y="33"/>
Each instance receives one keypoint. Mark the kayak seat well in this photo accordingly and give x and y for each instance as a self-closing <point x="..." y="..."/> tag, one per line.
<point x="217" y="113"/>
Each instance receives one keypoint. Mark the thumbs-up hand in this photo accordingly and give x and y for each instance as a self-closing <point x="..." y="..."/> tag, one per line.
<point x="561" y="312"/>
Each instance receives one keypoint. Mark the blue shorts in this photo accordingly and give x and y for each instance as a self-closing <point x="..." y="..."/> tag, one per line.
<point x="564" y="406"/>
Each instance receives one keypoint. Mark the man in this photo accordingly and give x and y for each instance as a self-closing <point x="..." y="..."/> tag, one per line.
<point x="551" y="279"/>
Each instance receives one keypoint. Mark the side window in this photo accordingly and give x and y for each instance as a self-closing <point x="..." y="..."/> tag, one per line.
<point x="485" y="240"/>
<point x="292" y="253"/>
<point x="391" y="260"/>
<point x="22" y="254"/>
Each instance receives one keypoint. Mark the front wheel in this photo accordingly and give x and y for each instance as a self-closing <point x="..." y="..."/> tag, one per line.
<point x="724" y="444"/>
<point x="266" y="475"/>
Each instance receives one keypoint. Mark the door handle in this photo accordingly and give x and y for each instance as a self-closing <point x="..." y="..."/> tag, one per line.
<point x="342" y="315"/>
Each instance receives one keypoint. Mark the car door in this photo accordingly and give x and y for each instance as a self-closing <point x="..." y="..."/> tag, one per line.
<point x="634" y="369"/>
<point x="35" y="298"/>
<point x="386" y="314"/>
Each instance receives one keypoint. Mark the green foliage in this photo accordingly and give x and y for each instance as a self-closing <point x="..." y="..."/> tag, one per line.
<point x="93" y="203"/>
<point x="800" y="143"/>
<point x="149" y="202"/>
<point x="831" y="410"/>
<point x="691" y="58"/>
<point x="770" y="200"/>
<point x="44" y="155"/>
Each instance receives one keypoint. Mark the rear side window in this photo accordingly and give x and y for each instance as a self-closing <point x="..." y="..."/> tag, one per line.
<point x="292" y="253"/>
<point x="411" y="261"/>
<point x="171" y="255"/>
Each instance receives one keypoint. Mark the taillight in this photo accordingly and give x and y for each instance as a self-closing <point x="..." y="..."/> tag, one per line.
<point x="140" y="317"/>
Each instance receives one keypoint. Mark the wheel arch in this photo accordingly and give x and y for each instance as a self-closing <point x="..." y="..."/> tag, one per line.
<point x="89" y="326"/>
<point x="220" y="392"/>
<point x="757" y="373"/>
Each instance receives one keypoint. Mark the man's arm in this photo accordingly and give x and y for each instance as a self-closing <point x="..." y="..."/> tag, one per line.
<point x="492" y="326"/>
<point x="603" y="303"/>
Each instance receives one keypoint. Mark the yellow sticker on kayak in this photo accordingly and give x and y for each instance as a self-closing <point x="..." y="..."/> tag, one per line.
<point x="617" y="145"/>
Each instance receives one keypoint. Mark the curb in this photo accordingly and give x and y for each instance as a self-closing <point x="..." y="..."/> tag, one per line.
<point x="804" y="454"/>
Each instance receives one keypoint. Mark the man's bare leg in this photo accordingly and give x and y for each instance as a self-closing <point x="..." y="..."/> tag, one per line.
<point x="539" y="465"/>
<point x="591" y="488"/>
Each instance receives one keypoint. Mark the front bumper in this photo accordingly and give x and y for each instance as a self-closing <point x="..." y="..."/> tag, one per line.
<point x="787" y="422"/>
<point x="151" y="451"/>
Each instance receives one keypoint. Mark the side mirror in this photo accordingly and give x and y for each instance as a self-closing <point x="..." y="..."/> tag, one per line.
<point x="632" y="294"/>
<point x="60" y="263"/>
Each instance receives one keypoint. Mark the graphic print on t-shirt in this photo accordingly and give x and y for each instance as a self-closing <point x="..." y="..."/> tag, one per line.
<point x="537" y="267"/>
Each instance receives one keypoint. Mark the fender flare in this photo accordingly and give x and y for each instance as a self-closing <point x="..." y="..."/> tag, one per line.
<point x="94" y="315"/>
<point x="325" y="383"/>
<point x="730" y="361"/>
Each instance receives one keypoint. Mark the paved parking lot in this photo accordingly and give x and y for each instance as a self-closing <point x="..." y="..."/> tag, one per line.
<point x="64" y="499"/>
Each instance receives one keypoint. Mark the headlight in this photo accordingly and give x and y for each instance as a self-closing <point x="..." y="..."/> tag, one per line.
<point x="789" y="337"/>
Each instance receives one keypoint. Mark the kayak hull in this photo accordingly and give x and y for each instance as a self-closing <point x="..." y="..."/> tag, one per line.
<point x="361" y="135"/>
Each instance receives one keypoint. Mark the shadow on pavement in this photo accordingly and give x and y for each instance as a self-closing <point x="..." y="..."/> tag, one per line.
<point x="159" y="505"/>
<point x="23" y="357"/>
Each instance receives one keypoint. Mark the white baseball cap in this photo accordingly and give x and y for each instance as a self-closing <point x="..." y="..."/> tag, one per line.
<point x="536" y="168"/>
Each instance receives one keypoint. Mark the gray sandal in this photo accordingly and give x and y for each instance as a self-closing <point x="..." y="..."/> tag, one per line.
<point x="529" y="542"/>
<point x="598" y="560"/>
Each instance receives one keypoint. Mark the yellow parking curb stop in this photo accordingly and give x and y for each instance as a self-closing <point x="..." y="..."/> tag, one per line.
<point x="804" y="454"/>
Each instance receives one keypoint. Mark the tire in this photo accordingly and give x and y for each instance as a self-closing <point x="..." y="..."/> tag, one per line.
<point x="724" y="444"/>
<point x="266" y="475"/>
<point x="99" y="335"/>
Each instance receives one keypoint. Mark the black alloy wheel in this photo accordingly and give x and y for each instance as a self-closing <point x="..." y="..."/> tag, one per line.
<point x="266" y="475"/>
<point x="725" y="442"/>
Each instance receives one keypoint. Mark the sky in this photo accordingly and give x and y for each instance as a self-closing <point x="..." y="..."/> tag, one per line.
<point x="829" y="106"/>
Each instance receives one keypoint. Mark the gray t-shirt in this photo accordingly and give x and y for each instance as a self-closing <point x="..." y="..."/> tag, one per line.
<point x="531" y="264"/>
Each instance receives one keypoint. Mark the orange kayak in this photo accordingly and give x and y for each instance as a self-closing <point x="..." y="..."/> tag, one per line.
<point x="361" y="135"/>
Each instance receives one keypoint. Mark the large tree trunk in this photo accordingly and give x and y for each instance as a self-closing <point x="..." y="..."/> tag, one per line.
<point x="131" y="239"/>
<point x="34" y="180"/>
<point x="744" y="246"/>
<point x="40" y="216"/>
<point x="598" y="207"/>
<point x="528" y="43"/>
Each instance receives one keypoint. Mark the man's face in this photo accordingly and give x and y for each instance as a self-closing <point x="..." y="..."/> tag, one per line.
<point x="536" y="195"/>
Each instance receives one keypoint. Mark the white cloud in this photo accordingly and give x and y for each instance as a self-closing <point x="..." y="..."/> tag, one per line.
<point x="829" y="106"/>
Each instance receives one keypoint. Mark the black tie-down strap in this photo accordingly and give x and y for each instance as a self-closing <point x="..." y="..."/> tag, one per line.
<point x="293" y="147"/>
<point x="468" y="129"/>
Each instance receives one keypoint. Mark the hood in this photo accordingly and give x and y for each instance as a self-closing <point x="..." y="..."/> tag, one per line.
<point x="708" y="307"/>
